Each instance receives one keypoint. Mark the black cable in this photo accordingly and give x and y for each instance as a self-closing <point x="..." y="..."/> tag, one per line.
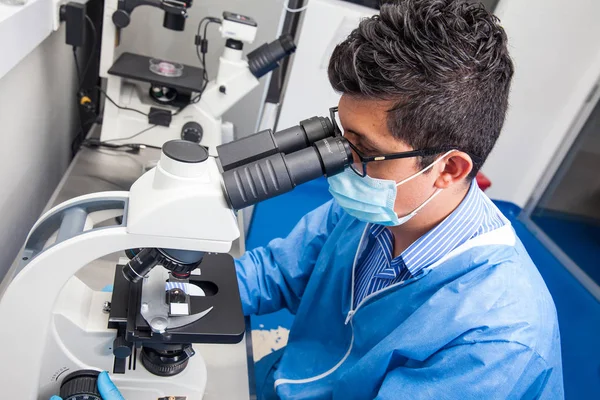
<point x="80" y="80"/>
<point x="131" y="147"/>
<point x="196" y="98"/>
<point x="77" y="140"/>
<point x="81" y="77"/>
<point x="201" y="42"/>
<point x="125" y="148"/>
<point x="132" y="136"/>
<point x="77" y="64"/>
<point x="210" y="20"/>
<point x="198" y="36"/>
<point x="118" y="106"/>
<point x="97" y="143"/>
<point x="204" y="58"/>
<point x="77" y="137"/>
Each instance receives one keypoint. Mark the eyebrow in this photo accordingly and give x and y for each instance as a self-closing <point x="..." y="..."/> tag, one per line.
<point x="364" y="138"/>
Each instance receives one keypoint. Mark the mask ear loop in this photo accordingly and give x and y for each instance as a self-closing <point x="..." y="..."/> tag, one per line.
<point x="438" y="191"/>
<point x="416" y="210"/>
<point x="425" y="169"/>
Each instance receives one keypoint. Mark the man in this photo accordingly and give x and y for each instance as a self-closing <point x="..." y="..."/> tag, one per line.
<point x="411" y="284"/>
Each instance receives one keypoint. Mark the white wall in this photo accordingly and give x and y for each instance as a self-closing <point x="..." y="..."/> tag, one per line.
<point x="22" y="29"/>
<point x="146" y="35"/>
<point x="556" y="48"/>
<point x="36" y="126"/>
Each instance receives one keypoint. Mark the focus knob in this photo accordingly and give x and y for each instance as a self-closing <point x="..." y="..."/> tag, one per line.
<point x="80" y="384"/>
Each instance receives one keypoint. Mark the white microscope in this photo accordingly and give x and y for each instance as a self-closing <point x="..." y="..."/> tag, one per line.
<point x="173" y="100"/>
<point x="176" y="288"/>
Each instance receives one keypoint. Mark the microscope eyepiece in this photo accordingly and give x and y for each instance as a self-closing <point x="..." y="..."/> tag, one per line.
<point x="279" y="173"/>
<point x="266" y="58"/>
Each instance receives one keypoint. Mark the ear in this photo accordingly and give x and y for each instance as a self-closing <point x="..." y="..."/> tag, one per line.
<point x="455" y="167"/>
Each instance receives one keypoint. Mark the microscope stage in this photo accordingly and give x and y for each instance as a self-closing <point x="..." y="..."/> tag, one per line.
<point x="223" y="324"/>
<point x="137" y="67"/>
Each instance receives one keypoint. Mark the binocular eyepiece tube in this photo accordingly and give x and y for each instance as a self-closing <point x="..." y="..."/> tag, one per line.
<point x="266" y="143"/>
<point x="265" y="165"/>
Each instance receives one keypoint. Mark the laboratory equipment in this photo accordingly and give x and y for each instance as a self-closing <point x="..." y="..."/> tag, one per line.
<point x="157" y="100"/>
<point x="177" y="287"/>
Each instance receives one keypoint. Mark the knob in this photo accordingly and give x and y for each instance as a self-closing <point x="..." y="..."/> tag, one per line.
<point x="121" y="18"/>
<point x="184" y="159"/>
<point x="185" y="151"/>
<point x="192" y="132"/>
<point x="164" y="362"/>
<point x="80" y="384"/>
<point x="121" y="347"/>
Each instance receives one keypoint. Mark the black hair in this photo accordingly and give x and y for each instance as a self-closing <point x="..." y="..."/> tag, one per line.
<point x="445" y="66"/>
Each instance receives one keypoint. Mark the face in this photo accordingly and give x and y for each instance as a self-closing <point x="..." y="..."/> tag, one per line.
<point x="364" y="123"/>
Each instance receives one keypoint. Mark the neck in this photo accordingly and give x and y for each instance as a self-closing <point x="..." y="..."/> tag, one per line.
<point x="427" y="219"/>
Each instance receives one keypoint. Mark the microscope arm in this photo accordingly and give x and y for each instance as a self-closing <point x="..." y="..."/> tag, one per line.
<point x="224" y="92"/>
<point x="122" y="17"/>
<point x="129" y="5"/>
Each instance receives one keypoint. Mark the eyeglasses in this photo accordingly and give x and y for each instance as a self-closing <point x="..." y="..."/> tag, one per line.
<point x="359" y="165"/>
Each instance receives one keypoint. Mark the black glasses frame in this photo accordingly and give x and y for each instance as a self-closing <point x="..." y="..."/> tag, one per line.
<point x="392" y="156"/>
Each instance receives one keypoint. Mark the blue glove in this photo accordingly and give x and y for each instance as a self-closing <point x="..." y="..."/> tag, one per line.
<point x="106" y="387"/>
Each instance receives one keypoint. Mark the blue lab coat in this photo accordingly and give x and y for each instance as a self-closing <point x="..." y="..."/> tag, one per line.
<point x="478" y="324"/>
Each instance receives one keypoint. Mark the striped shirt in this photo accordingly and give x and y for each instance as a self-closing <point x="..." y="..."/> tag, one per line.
<point x="475" y="216"/>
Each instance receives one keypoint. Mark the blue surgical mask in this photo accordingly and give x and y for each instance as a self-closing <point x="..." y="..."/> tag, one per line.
<point x="372" y="200"/>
